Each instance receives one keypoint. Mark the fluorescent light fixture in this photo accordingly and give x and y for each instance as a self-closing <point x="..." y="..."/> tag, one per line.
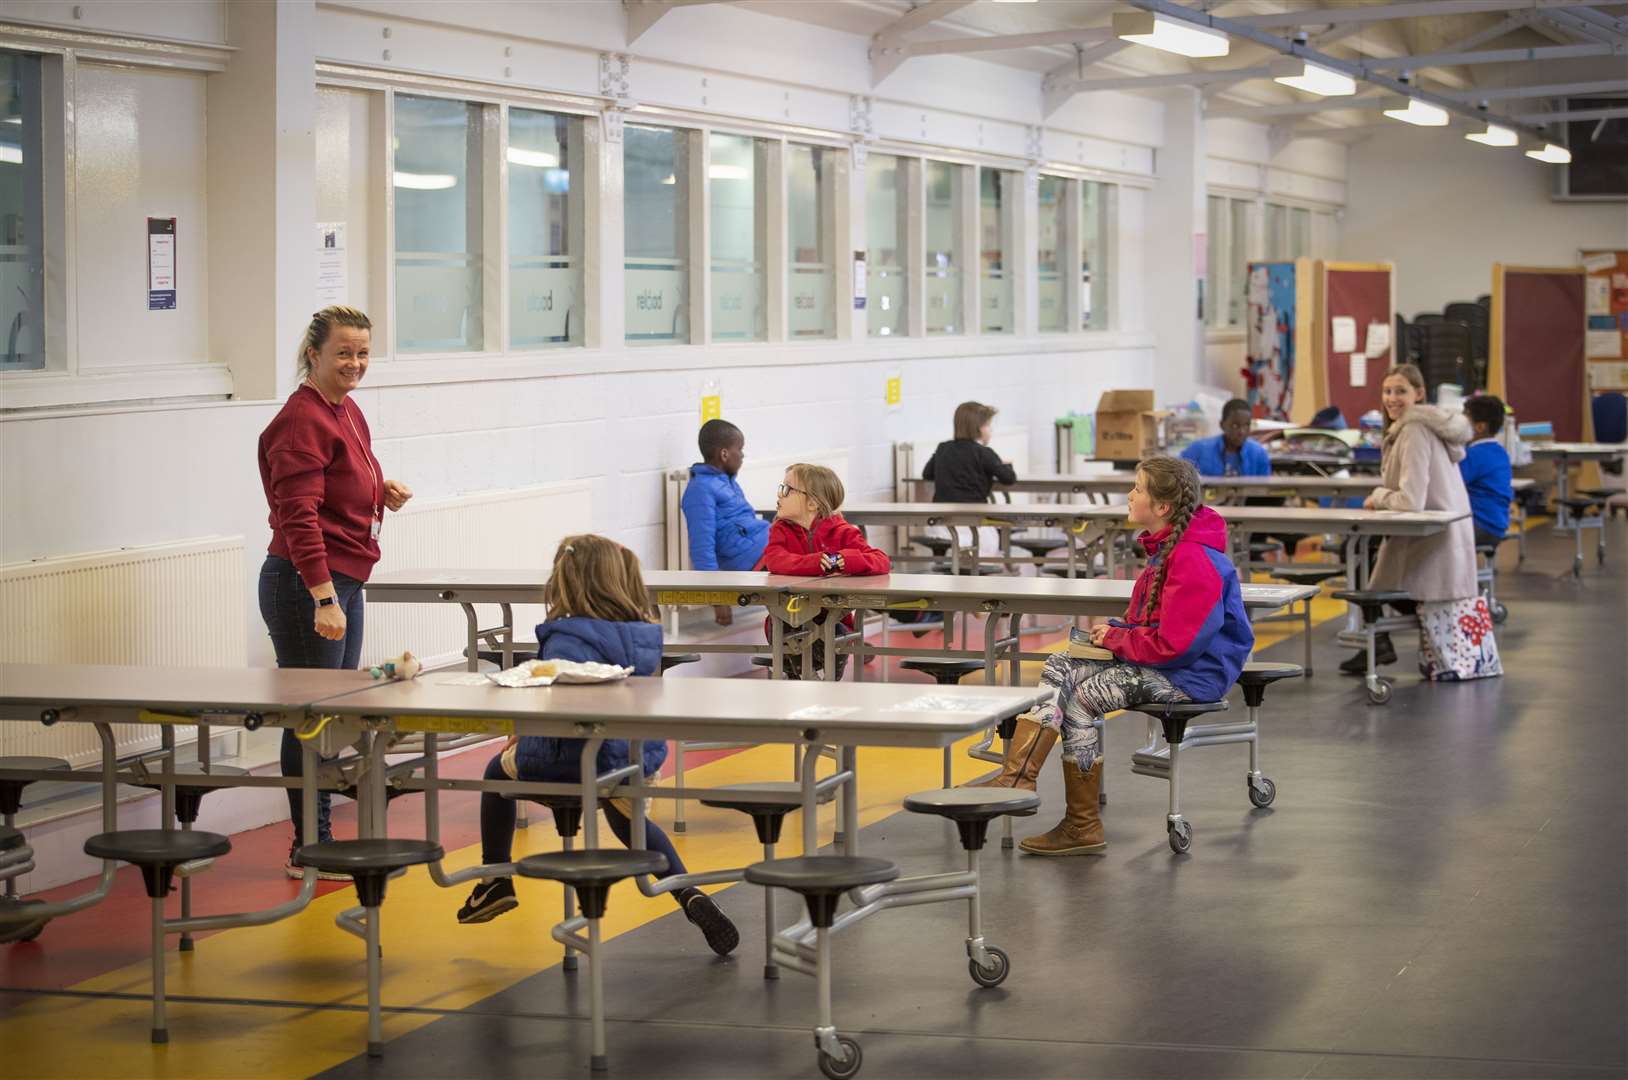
<point x="425" y="181"/>
<point x="537" y="159"/>
<point x="669" y="180"/>
<point x="728" y="172"/>
<point x="1552" y="154"/>
<point x="1314" y="79"/>
<point x="11" y="155"/>
<point x="1495" y="136"/>
<point x="1171" y="35"/>
<point x="1420" y="113"/>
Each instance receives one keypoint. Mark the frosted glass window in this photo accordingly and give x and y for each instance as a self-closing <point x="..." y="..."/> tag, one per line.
<point x="1096" y="217"/>
<point x="22" y="214"/>
<point x="995" y="193"/>
<point x="545" y="230"/>
<point x="946" y="247"/>
<point x="1238" y="292"/>
<point x="1052" y="191"/>
<point x="1299" y="233"/>
<point x="810" y="203"/>
<point x="1216" y="246"/>
<point x="656" y="194"/>
<point x="1277" y="234"/>
<point x="887" y="284"/>
<point x="438" y="226"/>
<point x="736" y="175"/>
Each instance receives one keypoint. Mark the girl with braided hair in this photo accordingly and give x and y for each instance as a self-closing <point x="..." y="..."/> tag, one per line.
<point x="1184" y="637"/>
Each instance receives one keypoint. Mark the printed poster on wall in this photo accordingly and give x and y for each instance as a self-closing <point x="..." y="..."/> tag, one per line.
<point x="331" y="270"/>
<point x="1271" y="359"/>
<point x="160" y="264"/>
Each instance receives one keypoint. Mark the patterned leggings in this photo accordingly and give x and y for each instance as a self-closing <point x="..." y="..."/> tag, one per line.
<point x="1088" y="689"/>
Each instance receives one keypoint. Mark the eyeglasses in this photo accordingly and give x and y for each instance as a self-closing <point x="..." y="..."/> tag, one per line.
<point x="786" y="489"/>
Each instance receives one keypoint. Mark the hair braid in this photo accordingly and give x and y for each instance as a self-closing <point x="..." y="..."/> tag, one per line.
<point x="1176" y="482"/>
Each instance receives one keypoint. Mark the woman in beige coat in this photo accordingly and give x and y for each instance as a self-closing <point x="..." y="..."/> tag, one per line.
<point x="1423" y="445"/>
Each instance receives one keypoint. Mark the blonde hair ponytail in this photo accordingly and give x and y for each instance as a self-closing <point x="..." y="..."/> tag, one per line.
<point x="322" y="324"/>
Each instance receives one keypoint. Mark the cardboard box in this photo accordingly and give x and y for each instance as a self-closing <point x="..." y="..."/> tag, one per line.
<point x="1127" y="425"/>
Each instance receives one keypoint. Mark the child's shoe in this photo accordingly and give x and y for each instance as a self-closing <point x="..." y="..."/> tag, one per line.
<point x="489" y="900"/>
<point x="703" y="911"/>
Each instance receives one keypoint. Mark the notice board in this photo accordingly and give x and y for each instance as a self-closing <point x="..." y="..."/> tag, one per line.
<point x="1605" y="301"/>
<point x="1538" y="331"/>
<point x="1356" y="318"/>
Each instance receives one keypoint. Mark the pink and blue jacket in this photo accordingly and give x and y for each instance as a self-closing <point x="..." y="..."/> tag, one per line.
<point x="1200" y="635"/>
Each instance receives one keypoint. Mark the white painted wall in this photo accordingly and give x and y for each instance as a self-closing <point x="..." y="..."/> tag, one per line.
<point x="1445" y="209"/>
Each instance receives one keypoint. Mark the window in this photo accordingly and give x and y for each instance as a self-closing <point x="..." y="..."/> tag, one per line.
<point x="1243" y="247"/>
<point x="810" y="206"/>
<point x="1053" y="309"/>
<point x="1096" y="216"/>
<point x="656" y="192"/>
<point x="995" y="191"/>
<point x="22" y="214"/>
<point x="946" y="244"/>
<point x="1229" y="249"/>
<point x="439" y="211"/>
<point x="886" y="226"/>
<point x="736" y="176"/>
<point x="545" y="230"/>
<point x="1215" y="257"/>
<point x="1288" y="232"/>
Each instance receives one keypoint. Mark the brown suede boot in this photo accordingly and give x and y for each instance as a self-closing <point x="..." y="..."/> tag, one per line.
<point x="1026" y="751"/>
<point x="1080" y="831"/>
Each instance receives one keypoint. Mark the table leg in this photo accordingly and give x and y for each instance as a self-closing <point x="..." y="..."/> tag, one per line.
<point x="473" y="622"/>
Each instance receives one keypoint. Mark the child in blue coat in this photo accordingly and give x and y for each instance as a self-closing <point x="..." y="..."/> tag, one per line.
<point x="598" y="611"/>
<point x="725" y="532"/>
<point x="1486" y="470"/>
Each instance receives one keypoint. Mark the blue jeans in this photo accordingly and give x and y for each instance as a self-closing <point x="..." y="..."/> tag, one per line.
<point x="290" y="616"/>
<point x="497" y="816"/>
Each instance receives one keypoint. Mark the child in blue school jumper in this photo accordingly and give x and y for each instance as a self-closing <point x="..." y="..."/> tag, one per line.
<point x="725" y="532"/>
<point x="1486" y="470"/>
<point x="598" y="611"/>
<point x="1233" y="452"/>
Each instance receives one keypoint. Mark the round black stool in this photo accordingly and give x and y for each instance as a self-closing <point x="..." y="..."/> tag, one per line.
<point x="158" y="852"/>
<point x="369" y="863"/>
<point x="822" y="879"/>
<point x="188" y="801"/>
<point x="11" y="801"/>
<point x="673" y="660"/>
<point x="1253" y="680"/>
<point x="768" y="817"/>
<point x="591" y="873"/>
<point x="1307" y="574"/>
<point x="972" y="809"/>
<point x="1173" y="716"/>
<point x="1486" y="576"/>
<point x="1371" y="603"/>
<point x="938" y="545"/>
<point x="944" y="672"/>
<point x="567" y="811"/>
<point x="1039" y="546"/>
<point x="16" y="859"/>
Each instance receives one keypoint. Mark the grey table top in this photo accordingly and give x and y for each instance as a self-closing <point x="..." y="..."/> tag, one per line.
<point x="1108" y="595"/>
<point x="1307" y="519"/>
<point x="525" y="585"/>
<point x="1117" y="483"/>
<point x="1602" y="451"/>
<point x="179" y="690"/>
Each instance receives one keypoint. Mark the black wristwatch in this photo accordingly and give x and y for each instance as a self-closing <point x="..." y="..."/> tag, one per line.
<point x="328" y="601"/>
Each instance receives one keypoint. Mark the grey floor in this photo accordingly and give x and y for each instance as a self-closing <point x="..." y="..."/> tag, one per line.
<point x="1441" y="890"/>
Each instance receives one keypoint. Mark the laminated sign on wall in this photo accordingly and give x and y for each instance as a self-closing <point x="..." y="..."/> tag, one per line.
<point x="160" y="264"/>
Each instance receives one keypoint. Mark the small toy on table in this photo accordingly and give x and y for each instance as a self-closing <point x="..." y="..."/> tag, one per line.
<point x="405" y="666"/>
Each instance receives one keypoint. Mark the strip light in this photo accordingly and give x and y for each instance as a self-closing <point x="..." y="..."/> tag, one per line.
<point x="537" y="159"/>
<point x="1170" y="35"/>
<point x="425" y="181"/>
<point x="1552" y="154"/>
<point x="1319" y="80"/>
<point x="1495" y="136"/>
<point x="1420" y="113"/>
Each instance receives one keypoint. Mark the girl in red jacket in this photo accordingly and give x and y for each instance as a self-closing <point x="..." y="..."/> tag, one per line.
<point x="810" y="539"/>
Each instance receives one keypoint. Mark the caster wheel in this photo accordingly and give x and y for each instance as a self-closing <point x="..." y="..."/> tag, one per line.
<point x="1500" y="612"/>
<point x="1577" y="567"/>
<point x="993" y="975"/>
<point x="843" y="1067"/>
<point x="1380" y="693"/>
<point x="1181" y="838"/>
<point x="1263" y="792"/>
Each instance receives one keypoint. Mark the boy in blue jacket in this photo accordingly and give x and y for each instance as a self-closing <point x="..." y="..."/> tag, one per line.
<point x="1486" y="470"/>
<point x="725" y="532"/>
<point x="598" y="612"/>
<point x="1233" y="452"/>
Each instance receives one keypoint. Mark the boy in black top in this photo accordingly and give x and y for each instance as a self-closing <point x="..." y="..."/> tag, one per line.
<point x="964" y="469"/>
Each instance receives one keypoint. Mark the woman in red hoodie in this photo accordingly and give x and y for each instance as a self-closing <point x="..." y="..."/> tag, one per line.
<point x="810" y="539"/>
<point x="327" y="496"/>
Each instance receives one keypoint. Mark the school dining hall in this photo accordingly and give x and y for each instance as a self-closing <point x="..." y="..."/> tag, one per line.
<point x="924" y="539"/>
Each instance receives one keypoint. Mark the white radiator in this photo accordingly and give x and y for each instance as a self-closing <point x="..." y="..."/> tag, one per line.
<point x="501" y="530"/>
<point x="169" y="605"/>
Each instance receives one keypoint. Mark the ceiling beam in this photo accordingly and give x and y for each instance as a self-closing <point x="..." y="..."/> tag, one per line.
<point x="1352" y="13"/>
<point x="1582" y="29"/>
<point x="997" y="42"/>
<point x="1495" y="56"/>
<point x="917" y="17"/>
<point x="1302" y="108"/>
<point x="1365" y="72"/>
<point x="1500" y="29"/>
<point x="643" y="14"/>
<point x="1179" y="78"/>
<point x="1574" y="114"/>
<point x="1603" y="86"/>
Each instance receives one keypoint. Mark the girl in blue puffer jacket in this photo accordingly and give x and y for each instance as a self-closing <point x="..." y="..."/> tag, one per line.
<point x="598" y="611"/>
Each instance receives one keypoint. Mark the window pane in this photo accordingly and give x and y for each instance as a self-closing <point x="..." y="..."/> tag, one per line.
<point x="1300" y="224"/>
<point x="1215" y="258"/>
<point x="656" y="195"/>
<point x="736" y="174"/>
<point x="886" y="283"/>
<point x="994" y="246"/>
<point x="438" y="226"/>
<point x="1277" y="242"/>
<point x="1053" y="311"/>
<point x="545" y="230"/>
<point x="1238" y="294"/>
<point x="1095" y="210"/>
<point x="809" y="204"/>
<point x="945" y="245"/>
<point x="22" y="214"/>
